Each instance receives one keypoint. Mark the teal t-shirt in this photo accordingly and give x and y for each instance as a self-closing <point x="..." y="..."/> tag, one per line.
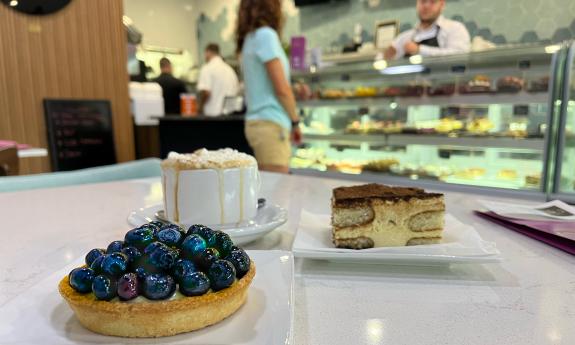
<point x="261" y="46"/>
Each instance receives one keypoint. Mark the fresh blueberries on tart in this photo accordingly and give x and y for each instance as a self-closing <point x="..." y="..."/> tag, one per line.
<point x="132" y="288"/>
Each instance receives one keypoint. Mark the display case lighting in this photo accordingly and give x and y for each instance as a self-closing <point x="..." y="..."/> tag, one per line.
<point x="416" y="59"/>
<point x="403" y="69"/>
<point x="552" y="49"/>
<point x="380" y="64"/>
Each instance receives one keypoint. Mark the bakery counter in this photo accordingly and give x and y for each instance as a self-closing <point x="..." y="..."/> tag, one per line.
<point x="187" y="134"/>
<point x="526" y="299"/>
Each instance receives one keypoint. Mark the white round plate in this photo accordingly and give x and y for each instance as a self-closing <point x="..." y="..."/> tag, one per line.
<point x="268" y="218"/>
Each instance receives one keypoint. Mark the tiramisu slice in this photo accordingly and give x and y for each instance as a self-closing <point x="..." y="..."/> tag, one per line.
<point x="375" y="215"/>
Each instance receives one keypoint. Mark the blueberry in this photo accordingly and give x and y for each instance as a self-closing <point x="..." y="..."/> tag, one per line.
<point x="206" y="258"/>
<point x="128" y="286"/>
<point x="80" y="279"/>
<point x="240" y="260"/>
<point x="155" y="225"/>
<point x="141" y="273"/>
<point x="96" y="265"/>
<point x="193" y="245"/>
<point x="204" y="232"/>
<point x="194" y="229"/>
<point x="163" y="258"/>
<point x="159" y="286"/>
<point x="222" y="274"/>
<point x="133" y="254"/>
<point x="194" y="284"/>
<point x="93" y="255"/>
<point x="224" y="243"/>
<point x="140" y="237"/>
<point x="104" y="287"/>
<point x="170" y="236"/>
<point x="115" y="247"/>
<point x="183" y="267"/>
<point x="114" y="264"/>
<point x="152" y="246"/>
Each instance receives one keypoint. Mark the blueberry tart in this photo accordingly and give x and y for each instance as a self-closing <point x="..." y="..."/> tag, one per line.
<point x="160" y="281"/>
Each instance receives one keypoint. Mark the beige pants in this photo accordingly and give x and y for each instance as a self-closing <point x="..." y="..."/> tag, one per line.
<point x="270" y="142"/>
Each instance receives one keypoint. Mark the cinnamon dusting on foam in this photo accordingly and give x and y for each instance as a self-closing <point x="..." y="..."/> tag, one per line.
<point x="204" y="159"/>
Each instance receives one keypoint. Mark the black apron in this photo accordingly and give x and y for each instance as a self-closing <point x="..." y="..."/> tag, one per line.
<point x="430" y="42"/>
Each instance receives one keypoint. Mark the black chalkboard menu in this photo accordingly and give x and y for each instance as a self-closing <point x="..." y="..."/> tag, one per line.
<point x="80" y="133"/>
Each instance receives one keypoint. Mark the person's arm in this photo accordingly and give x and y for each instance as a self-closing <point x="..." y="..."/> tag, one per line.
<point x="457" y="42"/>
<point x="204" y="97"/>
<point x="284" y="93"/>
<point x="396" y="50"/>
<point x="204" y="87"/>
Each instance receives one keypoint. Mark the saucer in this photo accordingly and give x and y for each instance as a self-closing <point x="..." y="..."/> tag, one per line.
<point x="268" y="218"/>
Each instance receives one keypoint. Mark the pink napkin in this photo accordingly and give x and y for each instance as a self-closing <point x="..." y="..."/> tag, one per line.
<point x="8" y="143"/>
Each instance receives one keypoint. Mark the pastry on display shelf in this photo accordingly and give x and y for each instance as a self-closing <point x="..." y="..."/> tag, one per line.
<point x="316" y="127"/>
<point x="517" y="130"/>
<point x="392" y="91"/>
<point x="345" y="166"/>
<point x="471" y="173"/>
<point x="159" y="281"/>
<point x="380" y="165"/>
<point x="533" y="180"/>
<point x="438" y="171"/>
<point x="374" y="127"/>
<point x="302" y="91"/>
<point x="412" y="91"/>
<point x="539" y="85"/>
<point x="335" y="93"/>
<point x="441" y="90"/>
<point x="374" y="215"/>
<point x="479" y="84"/>
<point x="507" y="174"/>
<point x="310" y="158"/>
<point x="510" y="84"/>
<point x="448" y="125"/>
<point x="365" y="91"/>
<point x="479" y="126"/>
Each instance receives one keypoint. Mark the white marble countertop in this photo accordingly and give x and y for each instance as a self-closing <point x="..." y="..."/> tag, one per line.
<point x="529" y="298"/>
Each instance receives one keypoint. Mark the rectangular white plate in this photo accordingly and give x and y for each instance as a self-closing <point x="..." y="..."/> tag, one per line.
<point x="460" y="244"/>
<point x="41" y="316"/>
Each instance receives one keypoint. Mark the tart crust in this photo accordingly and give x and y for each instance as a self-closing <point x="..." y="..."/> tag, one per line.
<point x="156" y="319"/>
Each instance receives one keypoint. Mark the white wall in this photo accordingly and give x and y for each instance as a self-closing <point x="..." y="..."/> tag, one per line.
<point x="167" y="23"/>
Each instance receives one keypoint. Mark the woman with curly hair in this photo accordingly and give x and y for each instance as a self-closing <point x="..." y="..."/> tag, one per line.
<point x="272" y="122"/>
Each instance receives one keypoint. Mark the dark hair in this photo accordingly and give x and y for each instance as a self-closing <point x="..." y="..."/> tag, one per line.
<point x="214" y="48"/>
<point x="165" y="62"/>
<point x="254" y="14"/>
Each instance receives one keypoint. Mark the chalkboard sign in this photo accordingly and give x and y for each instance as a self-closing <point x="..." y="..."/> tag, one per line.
<point x="80" y="133"/>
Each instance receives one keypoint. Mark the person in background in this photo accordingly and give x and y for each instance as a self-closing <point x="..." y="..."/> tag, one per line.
<point x="136" y="68"/>
<point x="216" y="82"/>
<point x="271" y="119"/>
<point x="172" y="87"/>
<point x="434" y="35"/>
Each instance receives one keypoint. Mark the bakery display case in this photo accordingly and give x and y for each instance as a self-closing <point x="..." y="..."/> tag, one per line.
<point x="563" y="186"/>
<point x="478" y="119"/>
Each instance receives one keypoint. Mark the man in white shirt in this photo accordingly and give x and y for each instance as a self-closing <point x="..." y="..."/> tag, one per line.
<point x="217" y="81"/>
<point x="434" y="35"/>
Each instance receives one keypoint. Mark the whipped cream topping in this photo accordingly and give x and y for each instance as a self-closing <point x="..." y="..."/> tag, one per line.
<point x="205" y="159"/>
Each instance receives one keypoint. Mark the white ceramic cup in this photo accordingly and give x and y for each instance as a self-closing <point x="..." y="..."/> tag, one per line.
<point x="210" y="196"/>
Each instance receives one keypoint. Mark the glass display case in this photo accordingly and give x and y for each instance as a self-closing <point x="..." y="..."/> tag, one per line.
<point x="478" y="119"/>
<point x="564" y="179"/>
